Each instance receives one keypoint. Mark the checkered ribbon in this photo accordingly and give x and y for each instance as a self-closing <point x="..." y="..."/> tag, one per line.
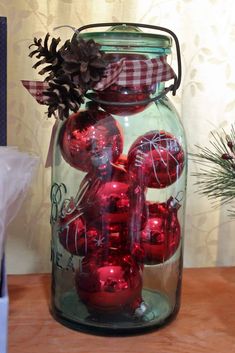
<point x="36" y="89"/>
<point x="136" y="73"/>
<point x="126" y="73"/>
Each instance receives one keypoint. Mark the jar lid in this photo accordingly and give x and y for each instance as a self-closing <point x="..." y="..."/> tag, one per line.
<point x="130" y="38"/>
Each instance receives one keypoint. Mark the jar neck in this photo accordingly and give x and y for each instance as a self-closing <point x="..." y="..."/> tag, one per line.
<point x="124" y="101"/>
<point x="129" y="85"/>
<point x="160" y="86"/>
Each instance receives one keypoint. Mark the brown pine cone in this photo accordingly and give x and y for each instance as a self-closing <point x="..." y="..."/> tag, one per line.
<point x="63" y="96"/>
<point x="84" y="61"/>
<point x="48" y="55"/>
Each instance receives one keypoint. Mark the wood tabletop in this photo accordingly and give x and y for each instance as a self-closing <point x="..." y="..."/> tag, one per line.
<point x="206" y="322"/>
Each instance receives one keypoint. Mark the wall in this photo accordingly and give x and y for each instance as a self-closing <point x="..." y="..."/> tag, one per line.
<point x="206" y="30"/>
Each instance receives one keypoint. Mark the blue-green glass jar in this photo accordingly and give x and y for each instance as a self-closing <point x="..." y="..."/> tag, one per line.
<point x="118" y="196"/>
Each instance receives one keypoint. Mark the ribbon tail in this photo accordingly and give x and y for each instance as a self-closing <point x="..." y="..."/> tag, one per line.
<point x="36" y="89"/>
<point x="51" y="145"/>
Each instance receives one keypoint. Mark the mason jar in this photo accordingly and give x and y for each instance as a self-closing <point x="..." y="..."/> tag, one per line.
<point x="118" y="190"/>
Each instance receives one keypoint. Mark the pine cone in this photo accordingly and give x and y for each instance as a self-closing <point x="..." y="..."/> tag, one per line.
<point x="63" y="96"/>
<point x="48" y="55"/>
<point x="84" y="61"/>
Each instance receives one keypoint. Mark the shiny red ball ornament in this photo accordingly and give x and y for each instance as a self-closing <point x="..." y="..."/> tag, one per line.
<point x="107" y="201"/>
<point x="155" y="159"/>
<point x="108" y="284"/>
<point x="161" y="236"/>
<point x="90" y="139"/>
<point x="116" y="235"/>
<point x="81" y="238"/>
<point x="75" y="237"/>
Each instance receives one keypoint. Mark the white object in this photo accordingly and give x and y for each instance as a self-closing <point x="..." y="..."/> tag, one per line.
<point x="16" y="172"/>
<point x="3" y="311"/>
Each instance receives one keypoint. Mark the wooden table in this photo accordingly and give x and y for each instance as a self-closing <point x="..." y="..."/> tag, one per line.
<point x="206" y="322"/>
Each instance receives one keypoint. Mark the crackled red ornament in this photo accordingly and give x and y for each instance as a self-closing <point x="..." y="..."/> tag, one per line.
<point x="91" y="139"/>
<point x="75" y="237"/>
<point x="109" y="284"/>
<point x="155" y="159"/>
<point x="161" y="236"/>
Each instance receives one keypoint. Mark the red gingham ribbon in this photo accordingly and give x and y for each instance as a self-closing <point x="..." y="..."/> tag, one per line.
<point x="36" y="89"/>
<point x="136" y="73"/>
<point x="125" y="73"/>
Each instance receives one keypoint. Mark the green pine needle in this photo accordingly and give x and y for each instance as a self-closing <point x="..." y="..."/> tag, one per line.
<point x="216" y="175"/>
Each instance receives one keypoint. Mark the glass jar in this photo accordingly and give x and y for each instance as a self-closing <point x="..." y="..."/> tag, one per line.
<point x="118" y="195"/>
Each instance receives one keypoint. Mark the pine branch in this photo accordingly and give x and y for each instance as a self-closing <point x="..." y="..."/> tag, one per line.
<point x="216" y="175"/>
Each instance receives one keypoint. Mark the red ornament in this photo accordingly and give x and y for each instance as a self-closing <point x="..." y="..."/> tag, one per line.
<point x="91" y="139"/>
<point x="76" y="238"/>
<point x="80" y="238"/>
<point x="121" y="94"/>
<point x="107" y="201"/>
<point x="109" y="284"/>
<point x="155" y="160"/>
<point x="161" y="236"/>
<point x="116" y="235"/>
